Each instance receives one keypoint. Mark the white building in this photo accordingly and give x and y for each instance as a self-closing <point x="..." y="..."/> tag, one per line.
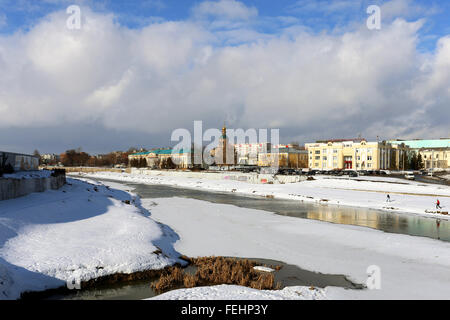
<point x="247" y="153"/>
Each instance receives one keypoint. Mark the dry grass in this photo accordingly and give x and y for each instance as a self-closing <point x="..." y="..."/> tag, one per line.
<point x="216" y="271"/>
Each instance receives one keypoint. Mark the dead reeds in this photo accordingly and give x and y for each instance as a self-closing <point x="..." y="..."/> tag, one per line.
<point x="216" y="271"/>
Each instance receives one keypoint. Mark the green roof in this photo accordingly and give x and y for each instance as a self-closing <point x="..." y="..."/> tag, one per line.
<point x="418" y="144"/>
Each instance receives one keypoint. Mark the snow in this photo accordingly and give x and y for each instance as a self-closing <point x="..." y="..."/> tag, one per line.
<point x="263" y="269"/>
<point x="370" y="192"/>
<point x="79" y="232"/>
<point x="28" y="174"/>
<point x="411" y="267"/>
<point x="233" y="292"/>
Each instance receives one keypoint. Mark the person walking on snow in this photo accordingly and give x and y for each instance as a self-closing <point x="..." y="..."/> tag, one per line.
<point x="388" y="198"/>
<point x="438" y="204"/>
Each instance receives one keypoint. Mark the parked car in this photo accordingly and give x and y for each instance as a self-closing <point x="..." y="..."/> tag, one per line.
<point x="410" y="176"/>
<point x="353" y="174"/>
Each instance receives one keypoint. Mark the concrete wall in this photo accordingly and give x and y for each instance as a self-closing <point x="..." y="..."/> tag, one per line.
<point x="236" y="176"/>
<point x="14" y="188"/>
<point x="87" y="169"/>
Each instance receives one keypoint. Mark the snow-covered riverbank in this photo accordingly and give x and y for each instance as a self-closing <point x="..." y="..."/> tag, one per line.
<point x="411" y="267"/>
<point x="369" y="192"/>
<point x="80" y="232"/>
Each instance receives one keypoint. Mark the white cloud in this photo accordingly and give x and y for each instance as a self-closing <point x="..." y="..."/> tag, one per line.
<point x="168" y="74"/>
<point x="406" y="9"/>
<point x="3" y="21"/>
<point x="225" y="9"/>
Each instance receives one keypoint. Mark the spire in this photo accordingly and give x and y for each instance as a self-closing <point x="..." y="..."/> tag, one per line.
<point x="224" y="130"/>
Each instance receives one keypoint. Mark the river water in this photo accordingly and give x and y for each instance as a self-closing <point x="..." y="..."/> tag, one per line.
<point x="402" y="223"/>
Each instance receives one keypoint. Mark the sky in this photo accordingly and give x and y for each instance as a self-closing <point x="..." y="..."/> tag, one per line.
<point x="137" y="70"/>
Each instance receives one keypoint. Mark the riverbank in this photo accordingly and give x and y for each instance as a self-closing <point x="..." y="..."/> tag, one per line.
<point x="367" y="192"/>
<point x="411" y="267"/>
<point x="80" y="232"/>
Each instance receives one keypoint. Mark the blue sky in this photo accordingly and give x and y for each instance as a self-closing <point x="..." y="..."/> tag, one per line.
<point x="140" y="69"/>
<point x="319" y="15"/>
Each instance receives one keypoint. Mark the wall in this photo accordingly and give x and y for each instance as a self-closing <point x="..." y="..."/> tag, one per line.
<point x="20" y="162"/>
<point x="236" y="176"/>
<point x="13" y="188"/>
<point x="89" y="169"/>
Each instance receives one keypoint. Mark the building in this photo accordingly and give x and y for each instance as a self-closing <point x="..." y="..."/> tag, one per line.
<point x="284" y="158"/>
<point x="224" y="154"/>
<point x="50" y="158"/>
<point x="356" y="154"/>
<point x="435" y="158"/>
<point x="20" y="162"/>
<point x="165" y="158"/>
<point x="435" y="153"/>
<point x="247" y="153"/>
<point x="418" y="144"/>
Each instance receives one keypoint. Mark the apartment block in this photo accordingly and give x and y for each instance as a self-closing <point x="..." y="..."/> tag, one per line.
<point x="357" y="154"/>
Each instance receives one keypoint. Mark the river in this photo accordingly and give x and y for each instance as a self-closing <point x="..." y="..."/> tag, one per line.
<point x="402" y="223"/>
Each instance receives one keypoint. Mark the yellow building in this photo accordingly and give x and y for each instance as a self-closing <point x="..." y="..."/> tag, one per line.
<point x="284" y="158"/>
<point x="354" y="154"/>
<point x="436" y="158"/>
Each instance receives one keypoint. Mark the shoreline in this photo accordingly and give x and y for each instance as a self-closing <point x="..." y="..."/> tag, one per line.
<point x="151" y="277"/>
<point x="321" y="201"/>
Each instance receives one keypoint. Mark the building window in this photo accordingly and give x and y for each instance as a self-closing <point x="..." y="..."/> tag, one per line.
<point x="335" y="151"/>
<point x="317" y="152"/>
<point x="317" y="157"/>
<point x="324" y="158"/>
<point x="369" y="158"/>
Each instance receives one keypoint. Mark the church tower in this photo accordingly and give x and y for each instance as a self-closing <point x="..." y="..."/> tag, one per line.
<point x="223" y="144"/>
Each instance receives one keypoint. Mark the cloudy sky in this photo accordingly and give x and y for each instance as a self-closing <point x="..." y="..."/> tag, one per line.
<point x="137" y="70"/>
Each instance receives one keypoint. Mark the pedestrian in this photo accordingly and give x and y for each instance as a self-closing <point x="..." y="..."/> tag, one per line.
<point x="438" y="204"/>
<point x="388" y="198"/>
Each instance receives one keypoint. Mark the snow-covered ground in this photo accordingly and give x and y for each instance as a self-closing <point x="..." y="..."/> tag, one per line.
<point x="79" y="232"/>
<point x="232" y="292"/>
<point x="369" y="192"/>
<point x="85" y="230"/>
<point x="411" y="267"/>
